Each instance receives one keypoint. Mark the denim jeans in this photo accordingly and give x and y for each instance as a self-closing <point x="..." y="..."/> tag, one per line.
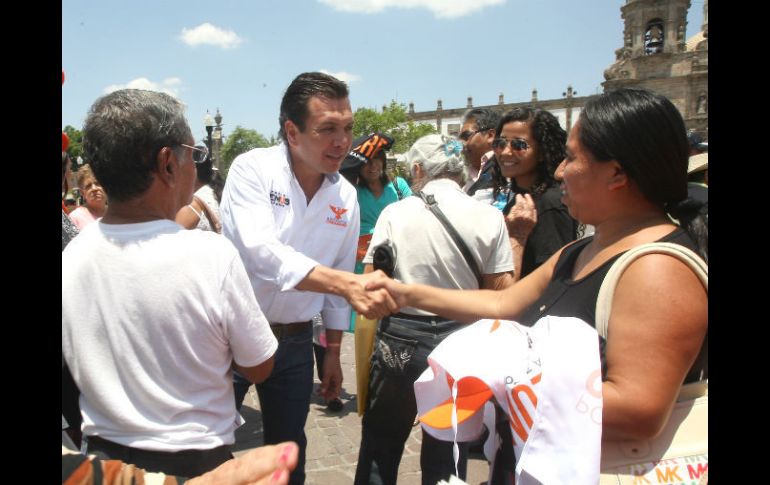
<point x="284" y="397"/>
<point x="400" y="355"/>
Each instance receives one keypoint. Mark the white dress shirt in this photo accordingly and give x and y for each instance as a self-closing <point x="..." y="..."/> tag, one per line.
<point x="281" y="236"/>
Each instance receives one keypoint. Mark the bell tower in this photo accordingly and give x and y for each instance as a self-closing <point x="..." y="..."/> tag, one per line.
<point x="656" y="55"/>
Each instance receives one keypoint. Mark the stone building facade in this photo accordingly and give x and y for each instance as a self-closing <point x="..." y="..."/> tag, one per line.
<point x="655" y="55"/>
<point x="449" y="121"/>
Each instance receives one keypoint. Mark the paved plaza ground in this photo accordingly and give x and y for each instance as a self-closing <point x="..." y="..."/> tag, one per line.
<point x="334" y="438"/>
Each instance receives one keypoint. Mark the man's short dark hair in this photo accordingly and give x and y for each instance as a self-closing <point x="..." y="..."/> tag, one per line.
<point x="123" y="133"/>
<point x="298" y="94"/>
<point x="485" y="118"/>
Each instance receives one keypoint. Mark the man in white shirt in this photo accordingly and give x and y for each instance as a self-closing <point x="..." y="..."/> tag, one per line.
<point x="295" y="222"/>
<point x="155" y="317"/>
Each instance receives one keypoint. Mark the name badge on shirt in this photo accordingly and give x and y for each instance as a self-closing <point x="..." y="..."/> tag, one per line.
<point x="279" y="199"/>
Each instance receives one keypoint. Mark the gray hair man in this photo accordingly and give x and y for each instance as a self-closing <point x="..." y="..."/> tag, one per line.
<point x="425" y="253"/>
<point x="154" y="317"/>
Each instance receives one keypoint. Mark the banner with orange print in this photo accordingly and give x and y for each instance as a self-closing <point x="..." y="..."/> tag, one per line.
<point x="541" y="376"/>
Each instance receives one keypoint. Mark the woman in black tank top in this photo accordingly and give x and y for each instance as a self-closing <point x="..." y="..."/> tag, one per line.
<point x="625" y="173"/>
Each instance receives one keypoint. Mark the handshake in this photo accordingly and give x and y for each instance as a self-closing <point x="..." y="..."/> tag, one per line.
<point x="375" y="295"/>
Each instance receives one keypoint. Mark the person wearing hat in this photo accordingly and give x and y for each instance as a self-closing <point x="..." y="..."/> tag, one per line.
<point x="697" y="177"/>
<point x="365" y="167"/>
<point x="425" y="253"/>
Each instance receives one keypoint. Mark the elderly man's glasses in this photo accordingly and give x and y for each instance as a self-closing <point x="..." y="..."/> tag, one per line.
<point x="517" y="144"/>
<point x="199" y="155"/>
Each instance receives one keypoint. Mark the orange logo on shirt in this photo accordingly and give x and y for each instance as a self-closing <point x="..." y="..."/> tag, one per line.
<point x="338" y="213"/>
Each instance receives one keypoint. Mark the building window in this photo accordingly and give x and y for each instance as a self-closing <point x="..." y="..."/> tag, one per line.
<point x="453" y="129"/>
<point x="653" y="37"/>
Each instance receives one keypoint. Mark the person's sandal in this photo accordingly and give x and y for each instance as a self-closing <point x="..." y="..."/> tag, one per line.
<point x="335" y="405"/>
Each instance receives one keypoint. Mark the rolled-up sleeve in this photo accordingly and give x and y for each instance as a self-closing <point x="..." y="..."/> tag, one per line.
<point x="248" y="221"/>
<point x="336" y="310"/>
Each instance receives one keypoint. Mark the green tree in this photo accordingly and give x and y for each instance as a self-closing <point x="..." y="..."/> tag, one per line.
<point x="75" y="148"/>
<point x="394" y="121"/>
<point x="240" y="141"/>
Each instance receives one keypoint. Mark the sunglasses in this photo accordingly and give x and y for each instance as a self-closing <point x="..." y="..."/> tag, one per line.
<point x="199" y="154"/>
<point x="467" y="135"/>
<point x="517" y="144"/>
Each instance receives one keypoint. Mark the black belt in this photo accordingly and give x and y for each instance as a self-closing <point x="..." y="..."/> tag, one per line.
<point x="281" y="330"/>
<point x="421" y="318"/>
<point x="137" y="452"/>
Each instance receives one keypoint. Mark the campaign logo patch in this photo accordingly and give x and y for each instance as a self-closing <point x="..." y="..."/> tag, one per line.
<point x="337" y="220"/>
<point x="279" y="199"/>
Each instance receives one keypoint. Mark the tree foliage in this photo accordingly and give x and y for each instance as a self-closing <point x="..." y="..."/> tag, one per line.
<point x="393" y="120"/>
<point x="75" y="148"/>
<point x="240" y="141"/>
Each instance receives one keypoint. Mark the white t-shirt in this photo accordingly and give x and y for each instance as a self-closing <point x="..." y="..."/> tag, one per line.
<point x="425" y="252"/>
<point x="152" y="318"/>
<point x="281" y="236"/>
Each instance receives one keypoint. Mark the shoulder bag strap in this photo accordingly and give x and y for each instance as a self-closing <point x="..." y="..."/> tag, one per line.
<point x="398" y="190"/>
<point x="432" y="205"/>
<point x="607" y="292"/>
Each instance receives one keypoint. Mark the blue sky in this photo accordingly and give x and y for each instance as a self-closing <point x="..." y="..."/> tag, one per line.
<point x="240" y="55"/>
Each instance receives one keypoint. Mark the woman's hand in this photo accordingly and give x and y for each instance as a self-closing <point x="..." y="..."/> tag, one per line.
<point x="522" y="218"/>
<point x="263" y="465"/>
<point x="379" y="280"/>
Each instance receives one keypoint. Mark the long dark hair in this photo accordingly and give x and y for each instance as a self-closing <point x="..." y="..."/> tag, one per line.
<point x="384" y="177"/>
<point x="645" y="133"/>
<point x="550" y="137"/>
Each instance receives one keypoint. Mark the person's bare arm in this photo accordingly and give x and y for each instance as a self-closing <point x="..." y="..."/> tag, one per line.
<point x="520" y="221"/>
<point x="497" y="281"/>
<point x="471" y="305"/>
<point x="260" y="466"/>
<point x="258" y="373"/>
<point x="187" y="217"/>
<point x="372" y="304"/>
<point x="658" y="322"/>
<point x="332" y="381"/>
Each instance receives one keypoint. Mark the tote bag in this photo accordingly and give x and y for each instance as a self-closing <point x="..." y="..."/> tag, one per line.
<point x="680" y="452"/>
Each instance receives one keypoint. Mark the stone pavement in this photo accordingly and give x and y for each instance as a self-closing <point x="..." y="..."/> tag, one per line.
<point x="334" y="438"/>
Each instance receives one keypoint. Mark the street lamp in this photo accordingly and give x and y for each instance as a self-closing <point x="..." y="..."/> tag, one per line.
<point x="208" y="121"/>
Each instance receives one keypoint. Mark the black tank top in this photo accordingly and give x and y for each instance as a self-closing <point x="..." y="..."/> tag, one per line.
<point x="565" y="297"/>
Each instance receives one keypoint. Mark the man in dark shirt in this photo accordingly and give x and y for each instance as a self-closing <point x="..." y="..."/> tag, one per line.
<point x="476" y="134"/>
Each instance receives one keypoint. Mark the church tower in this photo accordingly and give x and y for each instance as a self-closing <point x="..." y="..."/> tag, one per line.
<point x="655" y="55"/>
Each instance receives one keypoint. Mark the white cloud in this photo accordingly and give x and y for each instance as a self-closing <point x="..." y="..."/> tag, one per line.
<point x="209" y="34"/>
<point x="440" y="8"/>
<point x="343" y="76"/>
<point x="169" y="86"/>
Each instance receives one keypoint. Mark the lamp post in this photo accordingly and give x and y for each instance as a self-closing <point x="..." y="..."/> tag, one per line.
<point x="217" y="139"/>
<point x="208" y="121"/>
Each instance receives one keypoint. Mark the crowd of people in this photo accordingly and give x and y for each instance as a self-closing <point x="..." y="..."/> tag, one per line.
<point x="197" y="290"/>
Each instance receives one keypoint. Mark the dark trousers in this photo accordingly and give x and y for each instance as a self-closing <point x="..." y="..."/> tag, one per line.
<point x="187" y="463"/>
<point x="400" y="355"/>
<point x="284" y="397"/>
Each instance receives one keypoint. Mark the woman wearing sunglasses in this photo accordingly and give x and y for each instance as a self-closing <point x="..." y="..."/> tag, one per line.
<point x="529" y="145"/>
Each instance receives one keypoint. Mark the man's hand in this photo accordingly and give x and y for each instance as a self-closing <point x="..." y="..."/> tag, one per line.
<point x="379" y="281"/>
<point x="372" y="304"/>
<point x="522" y="218"/>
